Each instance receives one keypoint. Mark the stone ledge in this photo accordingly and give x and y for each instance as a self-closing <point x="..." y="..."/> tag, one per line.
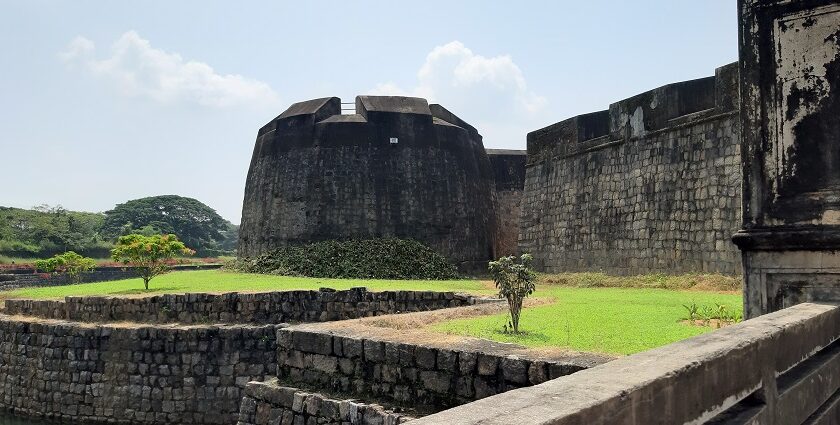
<point x="271" y="403"/>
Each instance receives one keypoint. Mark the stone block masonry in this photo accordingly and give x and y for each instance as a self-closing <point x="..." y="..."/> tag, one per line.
<point x="651" y="185"/>
<point x="170" y="373"/>
<point x="132" y="374"/>
<point x="264" y="307"/>
<point x="268" y="403"/>
<point x="509" y="175"/>
<point x="404" y="373"/>
<point x="399" y="167"/>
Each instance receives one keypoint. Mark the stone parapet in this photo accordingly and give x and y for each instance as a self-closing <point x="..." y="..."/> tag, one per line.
<point x="262" y="307"/>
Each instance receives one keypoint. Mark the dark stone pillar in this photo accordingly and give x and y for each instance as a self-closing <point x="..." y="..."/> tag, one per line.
<point x="790" y="112"/>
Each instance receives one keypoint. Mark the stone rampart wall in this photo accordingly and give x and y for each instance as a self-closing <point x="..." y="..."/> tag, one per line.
<point x="265" y="307"/>
<point x="651" y="185"/>
<point x="130" y="375"/>
<point x="268" y="403"/>
<point x="407" y="374"/>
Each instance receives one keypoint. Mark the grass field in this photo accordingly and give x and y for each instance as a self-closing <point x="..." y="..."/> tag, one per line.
<point x="222" y="281"/>
<point x="605" y="320"/>
<point x="586" y="312"/>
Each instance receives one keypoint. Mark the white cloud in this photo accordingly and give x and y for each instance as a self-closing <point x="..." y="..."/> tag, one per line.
<point x="139" y="70"/>
<point x="490" y="92"/>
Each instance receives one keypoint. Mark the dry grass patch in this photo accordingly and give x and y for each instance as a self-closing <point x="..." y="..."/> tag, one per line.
<point x="426" y="318"/>
<point x="684" y="282"/>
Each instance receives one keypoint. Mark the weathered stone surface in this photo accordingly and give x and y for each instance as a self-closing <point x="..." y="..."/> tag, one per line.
<point x="399" y="168"/>
<point x="508" y="168"/>
<point x="127" y="374"/>
<point x="261" y="405"/>
<point x="514" y="370"/>
<point x="790" y="107"/>
<point x="652" y="185"/>
<point x="420" y="375"/>
<point x="487" y="365"/>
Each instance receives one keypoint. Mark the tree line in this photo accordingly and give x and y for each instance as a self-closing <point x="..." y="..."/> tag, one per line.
<point x="44" y="231"/>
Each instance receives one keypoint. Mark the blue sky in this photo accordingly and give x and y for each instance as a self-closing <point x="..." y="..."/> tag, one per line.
<point x="106" y="101"/>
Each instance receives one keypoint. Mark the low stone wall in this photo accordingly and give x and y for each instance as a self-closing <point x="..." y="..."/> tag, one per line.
<point x="267" y="403"/>
<point x="414" y="375"/>
<point x="265" y="307"/>
<point x="15" y="279"/>
<point x="781" y="368"/>
<point x="136" y="375"/>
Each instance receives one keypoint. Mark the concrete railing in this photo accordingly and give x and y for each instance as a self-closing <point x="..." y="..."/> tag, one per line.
<point x="781" y="368"/>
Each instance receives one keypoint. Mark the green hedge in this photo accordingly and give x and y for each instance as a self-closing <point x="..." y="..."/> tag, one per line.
<point x="353" y="259"/>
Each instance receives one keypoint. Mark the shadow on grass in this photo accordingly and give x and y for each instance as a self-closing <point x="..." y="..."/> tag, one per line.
<point x="529" y="335"/>
<point x="145" y="291"/>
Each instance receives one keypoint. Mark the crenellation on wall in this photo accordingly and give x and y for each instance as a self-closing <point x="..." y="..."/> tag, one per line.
<point x="659" y="193"/>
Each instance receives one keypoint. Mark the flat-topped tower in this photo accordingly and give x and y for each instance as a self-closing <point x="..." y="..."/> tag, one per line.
<point x="398" y="167"/>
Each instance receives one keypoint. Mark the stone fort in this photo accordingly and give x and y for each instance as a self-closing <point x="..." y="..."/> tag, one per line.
<point x="650" y="185"/>
<point x="397" y="167"/>
<point x="292" y="357"/>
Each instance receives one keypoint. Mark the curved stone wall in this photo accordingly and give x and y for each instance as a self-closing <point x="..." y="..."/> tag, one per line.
<point x="398" y="167"/>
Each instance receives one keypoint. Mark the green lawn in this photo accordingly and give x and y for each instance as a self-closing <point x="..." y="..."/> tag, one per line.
<point x="222" y="281"/>
<point x="607" y="320"/>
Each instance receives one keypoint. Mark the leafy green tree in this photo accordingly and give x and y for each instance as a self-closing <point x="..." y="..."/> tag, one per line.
<point x="148" y="254"/>
<point x="515" y="283"/>
<point x="70" y="263"/>
<point x="196" y="224"/>
<point x="230" y="238"/>
<point x="44" y="231"/>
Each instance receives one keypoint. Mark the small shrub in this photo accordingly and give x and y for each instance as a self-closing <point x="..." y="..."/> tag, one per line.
<point x="70" y="263"/>
<point x="352" y="259"/>
<point x="693" y="311"/>
<point x="719" y="315"/>
<point x="515" y="283"/>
